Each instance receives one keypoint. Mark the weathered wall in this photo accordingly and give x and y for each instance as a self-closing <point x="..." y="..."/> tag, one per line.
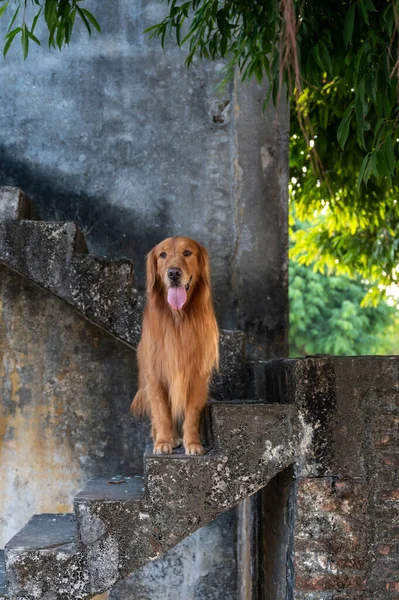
<point x="119" y="136"/>
<point x="201" y="567"/>
<point x="65" y="392"/>
<point x="347" y="524"/>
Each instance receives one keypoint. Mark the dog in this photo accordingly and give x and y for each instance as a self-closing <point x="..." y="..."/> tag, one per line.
<point x="179" y="346"/>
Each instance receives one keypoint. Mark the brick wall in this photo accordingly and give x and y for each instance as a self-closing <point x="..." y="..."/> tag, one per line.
<point x="346" y="538"/>
<point x="331" y="538"/>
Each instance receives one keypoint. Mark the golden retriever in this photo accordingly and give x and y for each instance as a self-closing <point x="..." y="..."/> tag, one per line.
<point x="179" y="346"/>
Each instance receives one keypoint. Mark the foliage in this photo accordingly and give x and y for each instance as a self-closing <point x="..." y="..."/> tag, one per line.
<point x="326" y="316"/>
<point x="59" y="16"/>
<point x="352" y="44"/>
<point x="339" y="62"/>
<point x="351" y="229"/>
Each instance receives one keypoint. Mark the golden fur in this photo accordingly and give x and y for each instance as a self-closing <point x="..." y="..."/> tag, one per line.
<point x="178" y="348"/>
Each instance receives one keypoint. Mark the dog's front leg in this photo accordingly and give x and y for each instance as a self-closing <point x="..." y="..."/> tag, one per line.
<point x="196" y="402"/>
<point x="162" y="429"/>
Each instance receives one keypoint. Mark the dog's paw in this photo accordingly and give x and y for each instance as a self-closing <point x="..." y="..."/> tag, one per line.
<point x="162" y="448"/>
<point x="194" y="449"/>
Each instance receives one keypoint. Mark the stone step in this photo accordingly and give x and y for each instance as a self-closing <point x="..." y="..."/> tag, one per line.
<point x="3" y="578"/>
<point x="252" y="442"/>
<point x="44" y="556"/>
<point x="103" y="497"/>
<point x="122" y="523"/>
<point x="44" y="531"/>
<point x="54" y="256"/>
<point x="113" y="529"/>
<point x="14" y="204"/>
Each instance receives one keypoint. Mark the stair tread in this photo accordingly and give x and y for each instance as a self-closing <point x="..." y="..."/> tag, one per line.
<point x="234" y="402"/>
<point x="112" y="489"/>
<point x="45" y="531"/>
<point x="178" y="453"/>
<point x="3" y="578"/>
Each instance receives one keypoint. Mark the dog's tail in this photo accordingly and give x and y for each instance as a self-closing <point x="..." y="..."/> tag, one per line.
<point x="139" y="406"/>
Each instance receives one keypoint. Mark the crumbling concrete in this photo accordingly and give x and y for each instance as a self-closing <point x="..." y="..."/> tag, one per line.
<point x="331" y="421"/>
<point x="3" y="580"/>
<point x="14" y="204"/>
<point x="123" y="523"/>
<point x="346" y="527"/>
<point x="54" y="257"/>
<point x="198" y="567"/>
<point x="50" y="255"/>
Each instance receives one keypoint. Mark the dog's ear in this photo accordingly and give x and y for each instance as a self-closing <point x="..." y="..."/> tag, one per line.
<point x="151" y="267"/>
<point x="204" y="264"/>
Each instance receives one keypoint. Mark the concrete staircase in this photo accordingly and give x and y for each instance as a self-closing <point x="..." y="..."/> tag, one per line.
<point x="54" y="256"/>
<point x="333" y="420"/>
<point x="119" y="524"/>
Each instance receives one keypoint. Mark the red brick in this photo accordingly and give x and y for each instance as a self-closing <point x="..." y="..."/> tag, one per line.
<point x="353" y="560"/>
<point x="327" y="582"/>
<point x="393" y="586"/>
<point x="390" y="459"/>
<point x="385" y="440"/>
<point x="389" y="495"/>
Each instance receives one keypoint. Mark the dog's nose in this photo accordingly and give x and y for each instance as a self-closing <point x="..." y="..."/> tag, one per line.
<point x="174" y="274"/>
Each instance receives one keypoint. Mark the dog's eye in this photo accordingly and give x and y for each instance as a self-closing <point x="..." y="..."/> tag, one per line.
<point x="187" y="253"/>
<point x="163" y="255"/>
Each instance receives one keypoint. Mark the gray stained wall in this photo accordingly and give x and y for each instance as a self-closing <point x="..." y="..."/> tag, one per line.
<point x="65" y="391"/>
<point x="120" y="137"/>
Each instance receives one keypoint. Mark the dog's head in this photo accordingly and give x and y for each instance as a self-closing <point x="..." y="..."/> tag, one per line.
<point x="178" y="267"/>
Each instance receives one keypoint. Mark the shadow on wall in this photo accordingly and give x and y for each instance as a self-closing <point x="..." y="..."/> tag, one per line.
<point x="110" y="229"/>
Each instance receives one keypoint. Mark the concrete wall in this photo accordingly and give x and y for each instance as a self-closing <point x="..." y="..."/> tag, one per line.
<point x="119" y="136"/>
<point x="65" y="391"/>
<point x="346" y="532"/>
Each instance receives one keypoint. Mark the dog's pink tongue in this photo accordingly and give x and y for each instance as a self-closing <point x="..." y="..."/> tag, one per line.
<point x="177" y="296"/>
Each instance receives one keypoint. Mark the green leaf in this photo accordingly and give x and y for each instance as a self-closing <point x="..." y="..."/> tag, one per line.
<point x="51" y="37"/>
<point x="343" y="132"/>
<point x="362" y="171"/>
<point x="13" y="19"/>
<point x="25" y="41"/>
<point x="373" y="162"/>
<point x="389" y="154"/>
<point x="316" y="54"/>
<point x="60" y="37"/>
<point x="348" y="24"/>
<point x="35" y="20"/>
<point x="343" y="129"/>
<point x="92" y="19"/>
<point x="152" y="29"/>
<point x="50" y="12"/>
<point x="33" y="38"/>
<point x="83" y="17"/>
<point x="3" y="8"/>
<point x="325" y="55"/>
<point x="363" y="10"/>
<point x="9" y="37"/>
